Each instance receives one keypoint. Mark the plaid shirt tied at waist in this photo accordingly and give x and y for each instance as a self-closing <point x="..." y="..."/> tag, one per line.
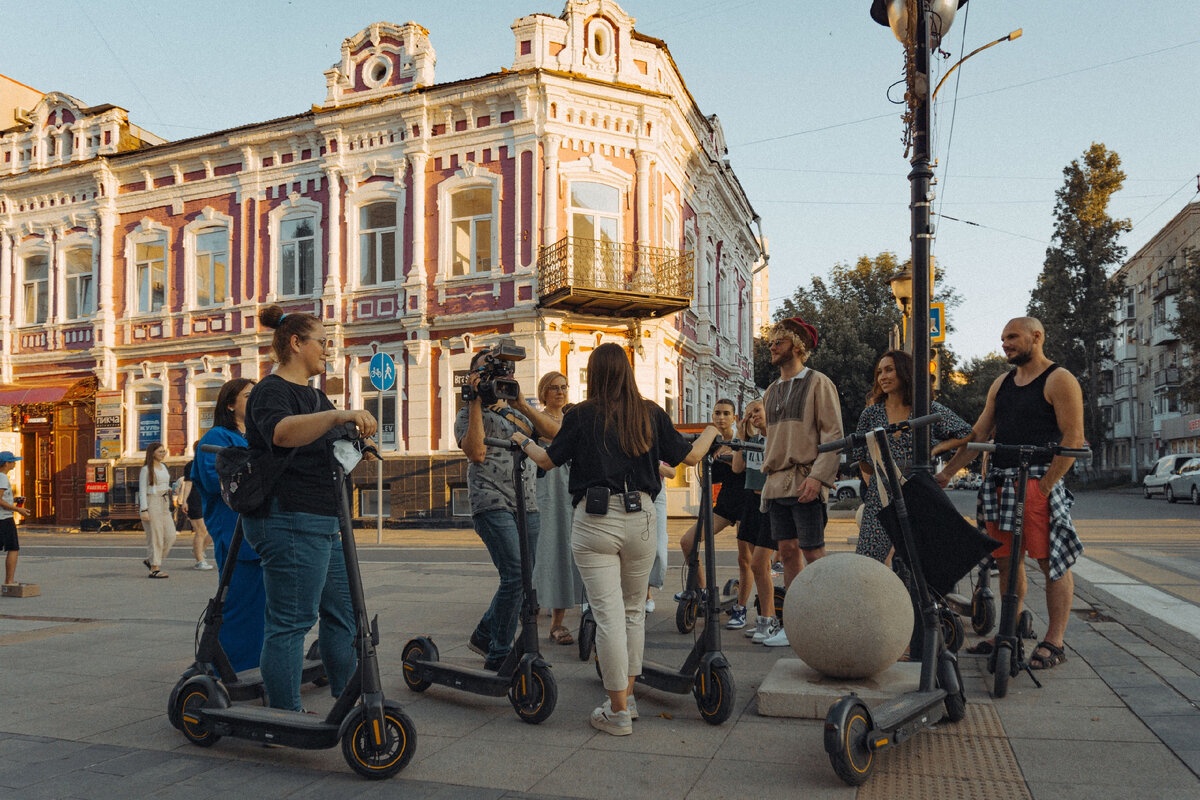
<point x="1065" y="546"/>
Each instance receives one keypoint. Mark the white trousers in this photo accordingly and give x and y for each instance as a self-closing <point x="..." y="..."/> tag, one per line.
<point x="160" y="530"/>
<point x="613" y="553"/>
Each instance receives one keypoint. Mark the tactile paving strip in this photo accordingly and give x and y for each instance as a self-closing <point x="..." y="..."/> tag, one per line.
<point x="969" y="760"/>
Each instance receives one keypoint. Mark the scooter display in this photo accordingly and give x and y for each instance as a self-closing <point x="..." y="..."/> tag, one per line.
<point x="1007" y="659"/>
<point x="853" y="732"/>
<point x="211" y="659"/>
<point x="524" y="676"/>
<point x="378" y="739"/>
<point x="705" y="671"/>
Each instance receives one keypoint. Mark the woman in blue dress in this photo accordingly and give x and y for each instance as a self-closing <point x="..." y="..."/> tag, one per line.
<point x="891" y="401"/>
<point x="242" y="631"/>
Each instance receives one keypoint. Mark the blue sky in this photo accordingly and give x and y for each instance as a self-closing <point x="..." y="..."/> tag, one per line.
<point x="802" y="93"/>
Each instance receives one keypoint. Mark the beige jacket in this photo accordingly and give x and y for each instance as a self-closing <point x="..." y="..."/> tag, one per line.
<point x="801" y="413"/>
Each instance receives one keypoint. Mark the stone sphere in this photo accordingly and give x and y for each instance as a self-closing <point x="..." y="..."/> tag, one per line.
<point x="848" y="616"/>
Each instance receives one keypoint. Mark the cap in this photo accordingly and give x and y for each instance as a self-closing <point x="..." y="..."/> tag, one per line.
<point x="7" y="456"/>
<point x="800" y="326"/>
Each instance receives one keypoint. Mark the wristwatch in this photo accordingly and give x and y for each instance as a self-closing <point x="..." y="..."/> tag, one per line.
<point x="525" y="443"/>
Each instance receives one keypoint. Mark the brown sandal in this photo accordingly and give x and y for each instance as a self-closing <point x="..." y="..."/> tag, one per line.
<point x="560" y="635"/>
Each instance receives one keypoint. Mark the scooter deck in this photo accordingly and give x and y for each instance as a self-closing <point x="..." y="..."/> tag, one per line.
<point x="272" y="725"/>
<point x="476" y="681"/>
<point x="664" y="678"/>
<point x="908" y="714"/>
<point x="248" y="684"/>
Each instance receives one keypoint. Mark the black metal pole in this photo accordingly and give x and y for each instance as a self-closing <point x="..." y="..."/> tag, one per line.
<point x="922" y="238"/>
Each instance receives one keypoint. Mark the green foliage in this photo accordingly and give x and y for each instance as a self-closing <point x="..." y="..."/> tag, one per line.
<point x="1187" y="325"/>
<point x="966" y="393"/>
<point x="1075" y="296"/>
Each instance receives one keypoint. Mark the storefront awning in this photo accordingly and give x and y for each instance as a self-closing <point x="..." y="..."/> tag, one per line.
<point x="35" y="394"/>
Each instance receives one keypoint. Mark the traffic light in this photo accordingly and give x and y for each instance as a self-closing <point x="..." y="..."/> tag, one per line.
<point x="935" y="370"/>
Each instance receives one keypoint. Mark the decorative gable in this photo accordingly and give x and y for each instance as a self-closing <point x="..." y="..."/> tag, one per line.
<point x="382" y="59"/>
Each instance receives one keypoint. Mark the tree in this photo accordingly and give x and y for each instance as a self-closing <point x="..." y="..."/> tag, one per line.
<point x="1187" y="324"/>
<point x="965" y="391"/>
<point x="1075" y="295"/>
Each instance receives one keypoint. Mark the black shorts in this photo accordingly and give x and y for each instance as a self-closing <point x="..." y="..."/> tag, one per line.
<point x="804" y="522"/>
<point x="730" y="504"/>
<point x="195" y="504"/>
<point x="8" y="535"/>
<point x="755" y="526"/>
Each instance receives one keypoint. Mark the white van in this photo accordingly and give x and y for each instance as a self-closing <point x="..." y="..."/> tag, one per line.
<point x="1166" y="468"/>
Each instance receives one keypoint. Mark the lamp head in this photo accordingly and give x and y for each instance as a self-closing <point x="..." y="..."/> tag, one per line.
<point x="901" y="284"/>
<point x="892" y="13"/>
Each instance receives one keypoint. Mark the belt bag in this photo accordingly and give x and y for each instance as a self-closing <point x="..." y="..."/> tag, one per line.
<point x="596" y="501"/>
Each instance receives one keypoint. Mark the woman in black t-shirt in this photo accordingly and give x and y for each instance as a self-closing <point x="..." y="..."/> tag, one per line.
<point x="615" y="440"/>
<point x="299" y="541"/>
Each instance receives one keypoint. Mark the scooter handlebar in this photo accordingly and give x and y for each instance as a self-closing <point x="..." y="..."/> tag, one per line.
<point x="211" y="448"/>
<point x="503" y="444"/>
<point x="1049" y="449"/>
<point x="858" y="439"/>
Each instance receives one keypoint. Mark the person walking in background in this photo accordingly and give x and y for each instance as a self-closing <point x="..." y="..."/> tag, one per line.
<point x="614" y="441"/>
<point x="802" y="411"/>
<point x="658" y="570"/>
<point x="154" y="506"/>
<point x="1036" y="403"/>
<point x="555" y="576"/>
<point x="246" y="600"/>
<point x="890" y="401"/>
<point x="299" y="538"/>
<point x="8" y="525"/>
<point x="754" y="529"/>
<point x="191" y="504"/>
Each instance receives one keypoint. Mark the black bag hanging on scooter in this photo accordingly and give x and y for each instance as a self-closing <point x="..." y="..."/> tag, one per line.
<point x="248" y="478"/>
<point x="948" y="546"/>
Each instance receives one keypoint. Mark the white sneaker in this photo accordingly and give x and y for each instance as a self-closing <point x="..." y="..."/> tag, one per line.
<point x="767" y="631"/>
<point x="649" y="605"/>
<point x="617" y="723"/>
<point x="202" y="564"/>
<point x="759" y="625"/>
<point x="630" y="706"/>
<point x="778" y="640"/>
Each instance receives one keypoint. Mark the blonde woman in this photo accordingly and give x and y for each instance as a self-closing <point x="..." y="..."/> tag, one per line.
<point x="154" y="505"/>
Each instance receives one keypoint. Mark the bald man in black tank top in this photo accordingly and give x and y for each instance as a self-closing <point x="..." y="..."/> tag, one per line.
<point x="1036" y="403"/>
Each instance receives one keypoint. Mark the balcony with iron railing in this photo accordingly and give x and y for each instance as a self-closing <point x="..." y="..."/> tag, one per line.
<point x="1166" y="377"/>
<point x="1165" y="285"/>
<point x="614" y="280"/>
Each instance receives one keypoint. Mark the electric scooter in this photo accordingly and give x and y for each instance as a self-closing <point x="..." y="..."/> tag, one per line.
<point x="854" y="733"/>
<point x="211" y="659"/>
<point x="378" y="739"/>
<point x="1007" y="658"/>
<point x="524" y="676"/>
<point x="980" y="608"/>
<point x="705" y="671"/>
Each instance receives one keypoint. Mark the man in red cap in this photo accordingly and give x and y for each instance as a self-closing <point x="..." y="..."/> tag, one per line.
<point x="802" y="411"/>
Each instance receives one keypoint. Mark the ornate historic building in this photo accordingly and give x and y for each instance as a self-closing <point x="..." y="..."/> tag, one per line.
<point x="577" y="198"/>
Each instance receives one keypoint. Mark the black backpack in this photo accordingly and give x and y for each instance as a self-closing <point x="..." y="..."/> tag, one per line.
<point x="248" y="478"/>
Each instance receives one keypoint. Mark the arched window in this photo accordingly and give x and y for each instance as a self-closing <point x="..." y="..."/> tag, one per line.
<point x="80" y="283"/>
<point x="35" y="285"/>
<point x="377" y="243"/>
<point x="471" y="231"/>
<point x="150" y="274"/>
<point x="297" y="255"/>
<point x="212" y="266"/>
<point x="595" y="214"/>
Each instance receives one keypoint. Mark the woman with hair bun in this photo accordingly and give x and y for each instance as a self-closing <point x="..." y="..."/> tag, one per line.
<point x="299" y="540"/>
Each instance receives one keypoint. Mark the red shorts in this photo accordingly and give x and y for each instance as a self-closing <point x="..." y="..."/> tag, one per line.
<point x="1035" y="534"/>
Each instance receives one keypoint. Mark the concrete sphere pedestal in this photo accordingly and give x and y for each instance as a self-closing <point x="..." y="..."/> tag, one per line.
<point x="848" y="616"/>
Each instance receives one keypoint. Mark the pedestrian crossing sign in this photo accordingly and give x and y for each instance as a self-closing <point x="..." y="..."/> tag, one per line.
<point x="937" y="322"/>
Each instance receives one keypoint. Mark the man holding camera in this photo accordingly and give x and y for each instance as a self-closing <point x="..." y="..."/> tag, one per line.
<point x="497" y="409"/>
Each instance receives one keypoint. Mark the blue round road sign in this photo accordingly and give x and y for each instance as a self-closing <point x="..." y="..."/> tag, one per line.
<point x="383" y="371"/>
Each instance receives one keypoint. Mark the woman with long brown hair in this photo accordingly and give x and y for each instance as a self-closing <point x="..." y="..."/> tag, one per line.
<point x="154" y="505"/>
<point x="614" y="441"/>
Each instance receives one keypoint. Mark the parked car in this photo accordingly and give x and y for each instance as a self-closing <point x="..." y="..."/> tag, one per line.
<point x="1186" y="484"/>
<point x="1164" y="470"/>
<point x="844" y="489"/>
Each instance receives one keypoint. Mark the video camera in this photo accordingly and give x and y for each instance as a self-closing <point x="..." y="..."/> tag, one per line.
<point x="495" y="369"/>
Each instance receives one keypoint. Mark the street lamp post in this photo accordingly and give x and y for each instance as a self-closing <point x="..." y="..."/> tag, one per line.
<point x="894" y="13"/>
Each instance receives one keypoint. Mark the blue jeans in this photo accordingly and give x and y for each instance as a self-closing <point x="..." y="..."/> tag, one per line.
<point x="498" y="530"/>
<point x="304" y="573"/>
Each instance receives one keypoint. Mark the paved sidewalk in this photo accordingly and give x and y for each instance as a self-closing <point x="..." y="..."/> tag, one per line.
<point x="86" y="668"/>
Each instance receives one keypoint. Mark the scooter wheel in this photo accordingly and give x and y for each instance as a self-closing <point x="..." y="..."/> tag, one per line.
<point x="173" y="707"/>
<point x="983" y="614"/>
<point x="846" y="742"/>
<point x="731" y="586"/>
<point x="399" y="744"/>
<point x="419" y="649"/>
<point x="950" y="679"/>
<point x="534" y="702"/>
<point x="715" y="697"/>
<point x="952" y="630"/>
<point x="314" y="654"/>
<point x="685" y="615"/>
<point x="1003" y="670"/>
<point x="1025" y="625"/>
<point x="587" y="635"/>
<point x="780" y="596"/>
<point x="193" y="696"/>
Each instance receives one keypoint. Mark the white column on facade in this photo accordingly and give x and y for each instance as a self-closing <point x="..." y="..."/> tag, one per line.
<point x="6" y="281"/>
<point x="334" y="279"/>
<point x="550" y="189"/>
<point x="418" y="389"/>
<point x="415" y="280"/>
<point x="104" y="335"/>
<point x="644" y="280"/>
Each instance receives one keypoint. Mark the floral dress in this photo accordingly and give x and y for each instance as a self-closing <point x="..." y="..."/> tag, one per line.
<point x="873" y="541"/>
